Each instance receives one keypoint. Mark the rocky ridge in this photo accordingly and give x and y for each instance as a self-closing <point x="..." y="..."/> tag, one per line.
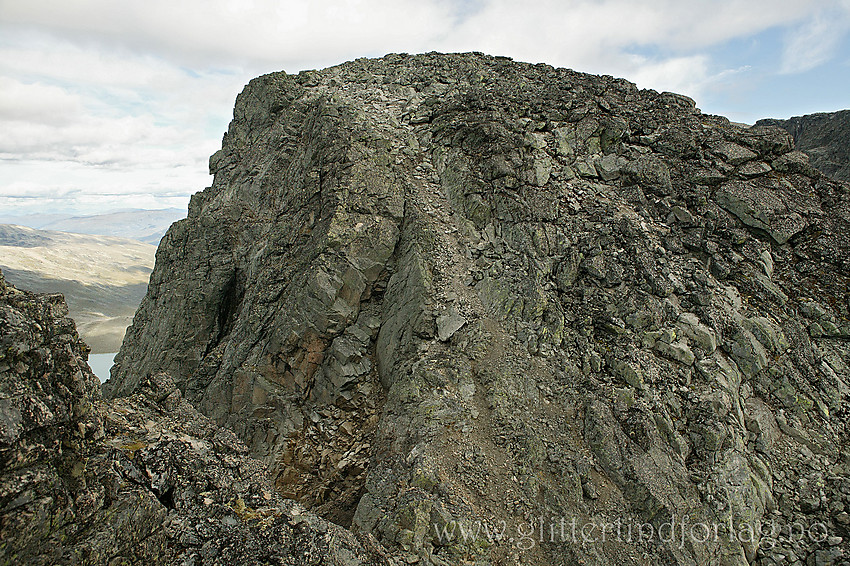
<point x="454" y="300"/>
<point x="824" y="137"/>
<point x="144" y="479"/>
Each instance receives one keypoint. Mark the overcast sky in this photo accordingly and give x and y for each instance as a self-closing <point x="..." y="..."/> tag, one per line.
<point x="110" y="104"/>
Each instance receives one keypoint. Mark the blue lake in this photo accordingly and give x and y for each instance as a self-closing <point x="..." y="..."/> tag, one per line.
<point x="100" y="364"/>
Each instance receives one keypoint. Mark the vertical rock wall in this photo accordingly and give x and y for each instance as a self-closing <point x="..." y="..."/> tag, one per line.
<point x="824" y="137"/>
<point x="445" y="291"/>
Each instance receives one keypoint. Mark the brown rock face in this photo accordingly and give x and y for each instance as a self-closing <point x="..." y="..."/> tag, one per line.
<point x="498" y="313"/>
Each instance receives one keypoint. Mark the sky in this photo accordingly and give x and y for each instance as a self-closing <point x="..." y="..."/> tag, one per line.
<point x="109" y="104"/>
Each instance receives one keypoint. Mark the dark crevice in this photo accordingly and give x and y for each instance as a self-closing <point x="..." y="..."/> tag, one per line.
<point x="166" y="497"/>
<point x="228" y="309"/>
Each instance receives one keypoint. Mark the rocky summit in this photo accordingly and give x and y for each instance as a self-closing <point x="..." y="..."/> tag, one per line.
<point x="825" y="137"/>
<point x="472" y="311"/>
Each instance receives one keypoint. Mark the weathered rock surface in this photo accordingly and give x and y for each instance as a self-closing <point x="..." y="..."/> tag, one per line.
<point x="457" y="302"/>
<point x="144" y="479"/>
<point x="824" y="137"/>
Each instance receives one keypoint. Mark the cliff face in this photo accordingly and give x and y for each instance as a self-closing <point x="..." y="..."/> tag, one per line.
<point x="484" y="309"/>
<point x="824" y="137"/>
<point x="139" y="480"/>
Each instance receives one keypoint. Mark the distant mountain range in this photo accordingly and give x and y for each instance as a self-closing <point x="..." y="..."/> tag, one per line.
<point x="143" y="225"/>
<point x="103" y="278"/>
<point x="824" y="137"/>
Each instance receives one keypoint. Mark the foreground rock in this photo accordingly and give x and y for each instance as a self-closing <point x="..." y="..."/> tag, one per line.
<point x="824" y="137"/>
<point x="142" y="480"/>
<point x="500" y="313"/>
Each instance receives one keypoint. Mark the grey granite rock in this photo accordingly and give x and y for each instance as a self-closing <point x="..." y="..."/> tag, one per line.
<point x="626" y="343"/>
<point x="825" y="137"/>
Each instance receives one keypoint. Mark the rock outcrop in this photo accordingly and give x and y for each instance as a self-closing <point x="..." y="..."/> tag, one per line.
<point x="139" y="480"/>
<point x="496" y="313"/>
<point x="824" y="137"/>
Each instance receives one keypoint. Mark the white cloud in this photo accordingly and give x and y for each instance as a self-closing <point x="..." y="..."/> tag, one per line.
<point x="680" y="74"/>
<point x="260" y="32"/>
<point x="112" y="97"/>
<point x="588" y="31"/>
<point x="149" y="42"/>
<point x="816" y="42"/>
<point x="110" y="122"/>
<point x="283" y="33"/>
<point x="49" y="123"/>
<point x="35" y="102"/>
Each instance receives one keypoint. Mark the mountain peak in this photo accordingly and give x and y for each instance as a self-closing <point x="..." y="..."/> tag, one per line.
<point x="439" y="290"/>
